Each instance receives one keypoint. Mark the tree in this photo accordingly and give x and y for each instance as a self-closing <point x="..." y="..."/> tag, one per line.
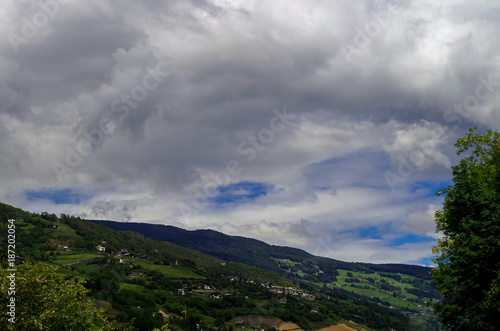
<point x="44" y="300"/>
<point x="468" y="267"/>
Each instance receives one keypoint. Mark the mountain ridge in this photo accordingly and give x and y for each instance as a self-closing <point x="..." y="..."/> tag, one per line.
<point x="207" y="241"/>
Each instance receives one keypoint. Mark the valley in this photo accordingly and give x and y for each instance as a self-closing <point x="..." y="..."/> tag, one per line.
<point x="146" y="284"/>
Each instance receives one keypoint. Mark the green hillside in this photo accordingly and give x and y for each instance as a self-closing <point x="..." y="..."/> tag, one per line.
<point x="145" y="284"/>
<point x="257" y="253"/>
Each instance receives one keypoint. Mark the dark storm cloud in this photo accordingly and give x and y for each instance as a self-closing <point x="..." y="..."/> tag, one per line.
<point x="85" y="77"/>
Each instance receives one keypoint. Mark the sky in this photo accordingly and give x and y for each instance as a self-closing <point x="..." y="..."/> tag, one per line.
<point x="322" y="125"/>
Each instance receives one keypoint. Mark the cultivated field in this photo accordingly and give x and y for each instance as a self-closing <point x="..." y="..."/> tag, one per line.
<point x="167" y="271"/>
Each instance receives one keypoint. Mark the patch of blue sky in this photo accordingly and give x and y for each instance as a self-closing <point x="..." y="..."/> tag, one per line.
<point x="241" y="192"/>
<point x="373" y="232"/>
<point x="58" y="196"/>
<point x="425" y="261"/>
<point x="430" y="187"/>
<point x="410" y="239"/>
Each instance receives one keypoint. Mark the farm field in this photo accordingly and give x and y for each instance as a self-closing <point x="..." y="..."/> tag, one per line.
<point x="69" y="259"/>
<point x="386" y="289"/>
<point x="132" y="287"/>
<point x="62" y="231"/>
<point x="338" y="327"/>
<point x="81" y="263"/>
<point x="167" y="271"/>
<point x="289" y="326"/>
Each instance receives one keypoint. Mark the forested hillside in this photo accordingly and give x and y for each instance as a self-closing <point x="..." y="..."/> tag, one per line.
<point x="138" y="283"/>
<point x="253" y="252"/>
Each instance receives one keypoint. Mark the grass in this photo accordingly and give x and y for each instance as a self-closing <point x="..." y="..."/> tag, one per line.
<point x="65" y="256"/>
<point x="63" y="231"/>
<point x="83" y="267"/>
<point x="399" y="298"/>
<point x="167" y="271"/>
<point x="69" y="259"/>
<point x="290" y="263"/>
<point x="78" y="262"/>
<point x="132" y="287"/>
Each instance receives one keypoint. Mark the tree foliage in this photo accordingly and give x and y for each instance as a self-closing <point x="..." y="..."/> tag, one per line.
<point x="44" y="300"/>
<point x="468" y="267"/>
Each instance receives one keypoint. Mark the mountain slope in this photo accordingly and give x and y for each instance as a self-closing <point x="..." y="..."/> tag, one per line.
<point x="146" y="283"/>
<point x="252" y="251"/>
<point x="405" y="287"/>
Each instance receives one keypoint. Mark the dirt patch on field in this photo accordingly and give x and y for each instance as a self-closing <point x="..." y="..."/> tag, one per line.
<point x="338" y="327"/>
<point x="289" y="326"/>
<point x="256" y="321"/>
<point x="346" y="326"/>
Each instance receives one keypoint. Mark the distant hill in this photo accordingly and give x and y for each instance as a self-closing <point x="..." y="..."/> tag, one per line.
<point x="253" y="252"/>
<point x="146" y="283"/>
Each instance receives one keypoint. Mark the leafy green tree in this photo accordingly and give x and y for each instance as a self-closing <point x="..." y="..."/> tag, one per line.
<point x="44" y="300"/>
<point x="468" y="265"/>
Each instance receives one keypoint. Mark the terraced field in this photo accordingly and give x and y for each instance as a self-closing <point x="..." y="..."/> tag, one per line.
<point x="167" y="271"/>
<point x="66" y="258"/>
<point x="384" y="288"/>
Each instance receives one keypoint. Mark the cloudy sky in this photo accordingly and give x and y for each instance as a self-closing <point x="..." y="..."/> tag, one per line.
<point x="323" y="125"/>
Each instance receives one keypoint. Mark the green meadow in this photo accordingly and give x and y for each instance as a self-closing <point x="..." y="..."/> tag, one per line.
<point x="167" y="271"/>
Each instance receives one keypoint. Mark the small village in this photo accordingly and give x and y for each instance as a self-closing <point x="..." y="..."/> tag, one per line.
<point x="215" y="294"/>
